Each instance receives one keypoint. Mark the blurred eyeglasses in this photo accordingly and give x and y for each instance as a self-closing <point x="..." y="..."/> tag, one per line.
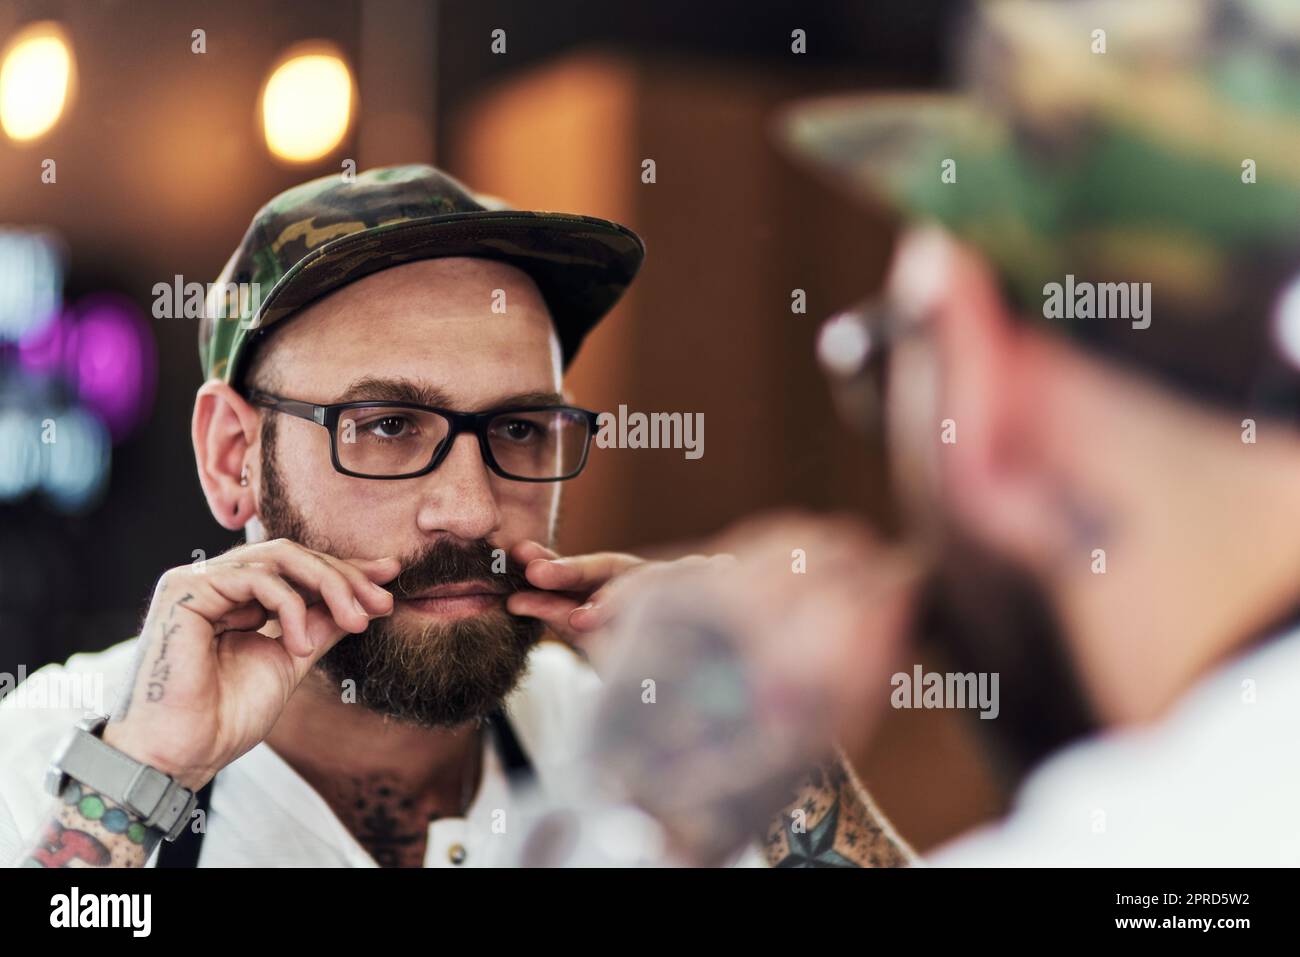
<point x="397" y="440"/>
<point x="853" y="348"/>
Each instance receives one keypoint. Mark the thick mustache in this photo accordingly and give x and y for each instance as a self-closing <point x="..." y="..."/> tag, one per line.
<point x="444" y="564"/>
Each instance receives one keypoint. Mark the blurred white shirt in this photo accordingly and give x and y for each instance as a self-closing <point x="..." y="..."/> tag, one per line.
<point x="1216" y="783"/>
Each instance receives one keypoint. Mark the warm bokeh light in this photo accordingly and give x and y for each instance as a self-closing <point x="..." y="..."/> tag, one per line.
<point x="35" y="81"/>
<point x="306" y="106"/>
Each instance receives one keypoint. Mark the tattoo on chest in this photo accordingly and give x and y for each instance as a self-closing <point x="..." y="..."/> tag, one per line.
<point x="829" y="823"/>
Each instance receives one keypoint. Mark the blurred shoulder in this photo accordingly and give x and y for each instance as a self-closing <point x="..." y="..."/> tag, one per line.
<point x="1213" y="783"/>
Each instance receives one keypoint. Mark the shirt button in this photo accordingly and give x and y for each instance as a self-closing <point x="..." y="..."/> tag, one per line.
<point x="457" y="854"/>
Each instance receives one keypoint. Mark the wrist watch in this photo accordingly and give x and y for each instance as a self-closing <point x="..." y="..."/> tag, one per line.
<point x="157" y="799"/>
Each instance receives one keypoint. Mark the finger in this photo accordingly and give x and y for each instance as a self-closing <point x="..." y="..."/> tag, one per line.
<point x="599" y="607"/>
<point x="239" y="585"/>
<point x="309" y="571"/>
<point x="248" y="617"/>
<point x="552" y="609"/>
<point x="589" y="617"/>
<point x="324" y="633"/>
<point x="603" y="604"/>
<point x="328" y="577"/>
<point x="528" y="550"/>
<point x="375" y="599"/>
<point x="377" y="570"/>
<point x="580" y="572"/>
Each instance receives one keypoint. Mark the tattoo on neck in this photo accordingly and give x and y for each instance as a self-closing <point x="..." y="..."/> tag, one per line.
<point x="388" y="819"/>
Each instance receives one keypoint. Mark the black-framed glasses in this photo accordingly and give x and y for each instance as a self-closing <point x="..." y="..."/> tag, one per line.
<point x="397" y="440"/>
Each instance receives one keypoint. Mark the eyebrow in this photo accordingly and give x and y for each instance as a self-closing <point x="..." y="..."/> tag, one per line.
<point x="375" y="389"/>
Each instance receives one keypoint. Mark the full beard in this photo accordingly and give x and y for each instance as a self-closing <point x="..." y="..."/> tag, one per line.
<point x="432" y="674"/>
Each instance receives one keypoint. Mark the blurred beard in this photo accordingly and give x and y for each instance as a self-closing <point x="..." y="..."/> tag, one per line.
<point x="434" y="675"/>
<point x="988" y="615"/>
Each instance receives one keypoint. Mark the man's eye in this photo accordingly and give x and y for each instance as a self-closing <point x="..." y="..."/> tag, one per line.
<point x="390" y="427"/>
<point x="518" y="430"/>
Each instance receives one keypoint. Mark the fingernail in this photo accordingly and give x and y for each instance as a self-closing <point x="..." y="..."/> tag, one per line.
<point x="920" y="270"/>
<point x="590" y="606"/>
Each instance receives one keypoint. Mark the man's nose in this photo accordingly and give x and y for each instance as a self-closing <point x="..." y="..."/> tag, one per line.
<point x="458" y="497"/>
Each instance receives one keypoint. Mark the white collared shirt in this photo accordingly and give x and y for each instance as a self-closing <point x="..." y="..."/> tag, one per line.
<point x="264" y="814"/>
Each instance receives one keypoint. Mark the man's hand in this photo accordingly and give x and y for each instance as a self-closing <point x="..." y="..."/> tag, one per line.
<point x="581" y="594"/>
<point x="208" y="684"/>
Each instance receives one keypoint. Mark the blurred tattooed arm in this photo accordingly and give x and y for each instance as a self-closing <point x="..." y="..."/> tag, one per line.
<point x="831" y="821"/>
<point x="725" y="682"/>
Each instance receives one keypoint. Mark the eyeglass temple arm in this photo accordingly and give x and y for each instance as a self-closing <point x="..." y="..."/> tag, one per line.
<point x="303" y="410"/>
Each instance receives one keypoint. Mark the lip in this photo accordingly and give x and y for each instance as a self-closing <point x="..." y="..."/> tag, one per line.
<point x="459" y="589"/>
<point x="457" y="599"/>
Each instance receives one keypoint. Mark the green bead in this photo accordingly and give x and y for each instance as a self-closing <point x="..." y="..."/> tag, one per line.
<point x="91" y="807"/>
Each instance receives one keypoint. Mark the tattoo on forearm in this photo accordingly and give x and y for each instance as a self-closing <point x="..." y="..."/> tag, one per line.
<point x="832" y="822"/>
<point x="90" y="830"/>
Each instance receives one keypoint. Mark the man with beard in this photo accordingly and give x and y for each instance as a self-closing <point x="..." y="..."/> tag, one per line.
<point x="384" y="424"/>
<point x="361" y="683"/>
<point x="1103" y="503"/>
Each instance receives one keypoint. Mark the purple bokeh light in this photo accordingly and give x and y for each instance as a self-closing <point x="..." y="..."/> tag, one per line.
<point x="104" y="348"/>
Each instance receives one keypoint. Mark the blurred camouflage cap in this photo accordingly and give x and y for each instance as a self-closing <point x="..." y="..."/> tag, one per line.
<point x="314" y="238"/>
<point x="1112" y="142"/>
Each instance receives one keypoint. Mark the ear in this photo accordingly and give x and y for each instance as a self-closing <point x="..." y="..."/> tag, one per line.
<point x="997" y="475"/>
<point x="225" y="432"/>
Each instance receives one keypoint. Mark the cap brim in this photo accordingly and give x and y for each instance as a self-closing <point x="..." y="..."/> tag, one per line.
<point x="581" y="264"/>
<point x="888" y="147"/>
<point x="909" y="152"/>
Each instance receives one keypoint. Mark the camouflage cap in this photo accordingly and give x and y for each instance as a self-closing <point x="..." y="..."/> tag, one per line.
<point x="1110" y="142"/>
<point x="314" y="238"/>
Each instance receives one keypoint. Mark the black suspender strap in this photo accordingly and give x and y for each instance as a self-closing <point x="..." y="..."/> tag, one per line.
<point x="184" y="851"/>
<point x="519" y="770"/>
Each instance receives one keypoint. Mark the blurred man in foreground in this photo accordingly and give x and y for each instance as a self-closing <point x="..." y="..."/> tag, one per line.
<point x="1089" y="382"/>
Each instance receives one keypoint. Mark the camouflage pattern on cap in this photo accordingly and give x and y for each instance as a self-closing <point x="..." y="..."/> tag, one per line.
<point x="314" y="238"/>
<point x="1128" y="165"/>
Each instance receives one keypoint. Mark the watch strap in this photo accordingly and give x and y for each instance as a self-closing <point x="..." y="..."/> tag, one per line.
<point x="157" y="799"/>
